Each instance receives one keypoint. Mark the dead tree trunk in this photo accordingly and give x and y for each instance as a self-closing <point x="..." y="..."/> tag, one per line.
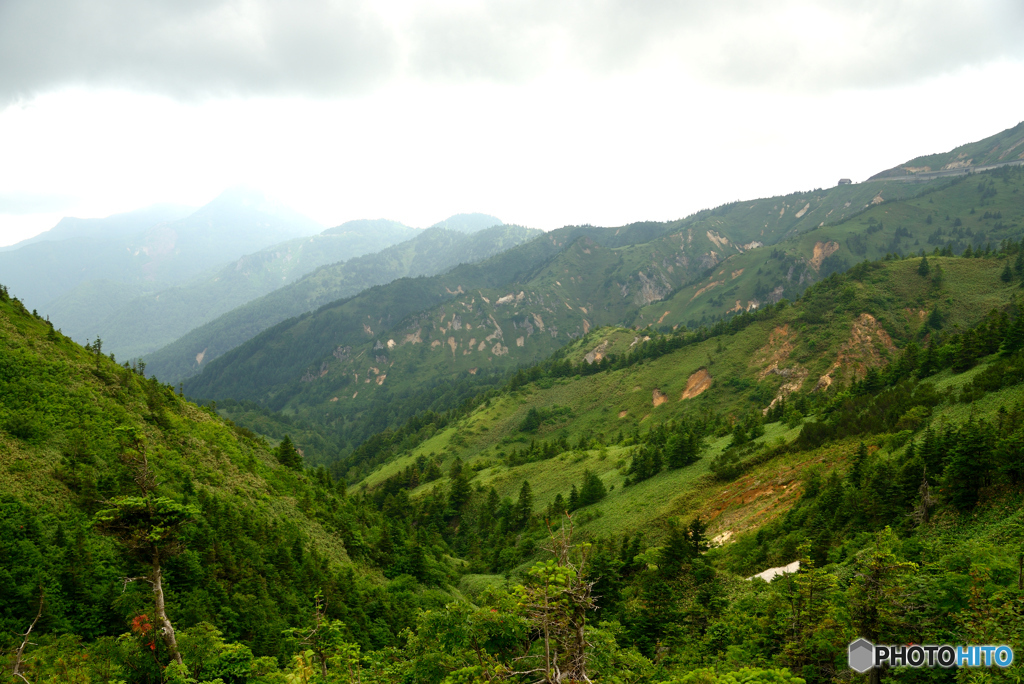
<point x="166" y="628"/>
<point x="20" y="653"/>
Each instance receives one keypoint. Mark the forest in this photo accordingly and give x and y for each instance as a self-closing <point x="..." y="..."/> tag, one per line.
<point x="146" y="539"/>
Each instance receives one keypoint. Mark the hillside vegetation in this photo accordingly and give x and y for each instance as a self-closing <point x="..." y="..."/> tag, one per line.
<point x="435" y="250"/>
<point x="359" y="366"/>
<point x="1005" y="147"/>
<point x="896" y="484"/>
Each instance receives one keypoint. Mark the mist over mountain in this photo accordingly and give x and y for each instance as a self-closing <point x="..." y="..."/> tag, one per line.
<point x="112" y="227"/>
<point x="141" y="253"/>
<point x="135" y="319"/>
<point x="433" y="251"/>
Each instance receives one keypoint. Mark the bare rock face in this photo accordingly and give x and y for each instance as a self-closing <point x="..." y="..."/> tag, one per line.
<point x="697" y="384"/>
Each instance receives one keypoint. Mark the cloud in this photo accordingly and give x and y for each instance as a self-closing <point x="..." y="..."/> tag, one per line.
<point x="201" y="48"/>
<point x="193" y="48"/>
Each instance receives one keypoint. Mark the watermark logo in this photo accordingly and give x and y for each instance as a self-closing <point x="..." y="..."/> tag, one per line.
<point x="864" y="655"/>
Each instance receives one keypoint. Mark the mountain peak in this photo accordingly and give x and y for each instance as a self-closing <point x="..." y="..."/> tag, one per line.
<point x="468" y="223"/>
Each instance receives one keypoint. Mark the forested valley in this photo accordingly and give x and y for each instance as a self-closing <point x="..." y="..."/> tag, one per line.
<point x="586" y="465"/>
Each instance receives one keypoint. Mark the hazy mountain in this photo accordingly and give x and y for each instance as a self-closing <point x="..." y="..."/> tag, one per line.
<point x="112" y="227"/>
<point x="433" y="251"/>
<point x="135" y="319"/>
<point x="468" y="223"/>
<point x="157" y="255"/>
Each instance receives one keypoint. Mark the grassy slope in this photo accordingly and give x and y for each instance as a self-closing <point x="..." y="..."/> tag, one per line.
<point x="70" y="397"/>
<point x="1004" y="146"/>
<point x="748" y="280"/>
<point x="586" y="285"/>
<point x="596" y="403"/>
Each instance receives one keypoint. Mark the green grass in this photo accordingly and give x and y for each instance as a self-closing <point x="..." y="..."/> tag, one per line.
<point x="592" y="405"/>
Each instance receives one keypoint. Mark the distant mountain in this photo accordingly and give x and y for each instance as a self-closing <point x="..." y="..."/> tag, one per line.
<point x="433" y="251"/>
<point x="134" y="320"/>
<point x="468" y="223"/>
<point x="109" y="228"/>
<point x="236" y="223"/>
<point x="1002" y="148"/>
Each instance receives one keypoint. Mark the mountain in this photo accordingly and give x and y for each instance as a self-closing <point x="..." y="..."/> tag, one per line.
<point x="115" y="226"/>
<point x="1004" y="148"/>
<point x="616" y="511"/>
<point x="237" y="222"/>
<point x="358" y="366"/>
<point x="468" y="223"/>
<point x="105" y="475"/>
<point x="432" y="251"/>
<point x="135" y="321"/>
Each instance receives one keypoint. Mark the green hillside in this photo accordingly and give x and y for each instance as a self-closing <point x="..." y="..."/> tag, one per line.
<point x="432" y="251"/>
<point x="977" y="212"/>
<point x="132" y="325"/>
<point x="80" y="437"/>
<point x="355" y="367"/>
<point x="1005" y="147"/>
<point x="896" y="485"/>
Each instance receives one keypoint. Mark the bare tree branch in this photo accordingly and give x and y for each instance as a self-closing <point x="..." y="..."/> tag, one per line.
<point x="25" y="642"/>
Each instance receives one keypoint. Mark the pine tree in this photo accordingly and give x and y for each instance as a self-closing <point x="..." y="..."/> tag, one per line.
<point x="593" y="489"/>
<point x="1007" y="274"/>
<point x="288" y="455"/>
<point x="922" y="269"/>
<point x="859" y="461"/>
<point x="574" y="499"/>
<point x="1014" y="338"/>
<point x="524" y="506"/>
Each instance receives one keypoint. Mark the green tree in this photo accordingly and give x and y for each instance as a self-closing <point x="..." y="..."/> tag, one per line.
<point x="524" y="506"/>
<point x="556" y="599"/>
<point x="593" y="489"/>
<point x="288" y="455"/>
<point x="923" y="268"/>
<point x="148" y="526"/>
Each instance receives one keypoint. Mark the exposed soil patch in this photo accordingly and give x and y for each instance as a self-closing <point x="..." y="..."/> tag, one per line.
<point x="597" y="353"/>
<point x="780" y="344"/>
<point x="697" y="384"/>
<point x="869" y="346"/>
<point x="658" y="397"/>
<point x="623" y="414"/>
<point x="822" y="251"/>
<point x="704" y="289"/>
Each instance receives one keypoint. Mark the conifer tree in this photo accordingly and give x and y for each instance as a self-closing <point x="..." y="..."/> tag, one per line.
<point x="288" y="455"/>
<point x="524" y="506"/>
<point x="922" y="269"/>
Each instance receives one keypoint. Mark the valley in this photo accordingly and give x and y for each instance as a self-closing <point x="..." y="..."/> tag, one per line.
<point x="446" y="458"/>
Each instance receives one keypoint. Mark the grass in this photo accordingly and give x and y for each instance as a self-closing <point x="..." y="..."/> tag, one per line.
<point x="603" y="404"/>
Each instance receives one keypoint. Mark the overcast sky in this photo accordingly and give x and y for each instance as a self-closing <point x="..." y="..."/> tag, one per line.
<point x="542" y="112"/>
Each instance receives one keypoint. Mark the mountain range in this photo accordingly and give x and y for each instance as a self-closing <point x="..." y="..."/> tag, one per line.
<point x="706" y="451"/>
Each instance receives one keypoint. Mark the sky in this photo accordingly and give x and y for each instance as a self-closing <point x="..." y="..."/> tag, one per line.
<point x="541" y="112"/>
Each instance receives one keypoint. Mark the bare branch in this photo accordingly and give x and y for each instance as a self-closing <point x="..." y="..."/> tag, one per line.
<point x="25" y="642"/>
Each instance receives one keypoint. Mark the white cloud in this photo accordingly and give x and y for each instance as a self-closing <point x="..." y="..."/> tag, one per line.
<point x="541" y="113"/>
